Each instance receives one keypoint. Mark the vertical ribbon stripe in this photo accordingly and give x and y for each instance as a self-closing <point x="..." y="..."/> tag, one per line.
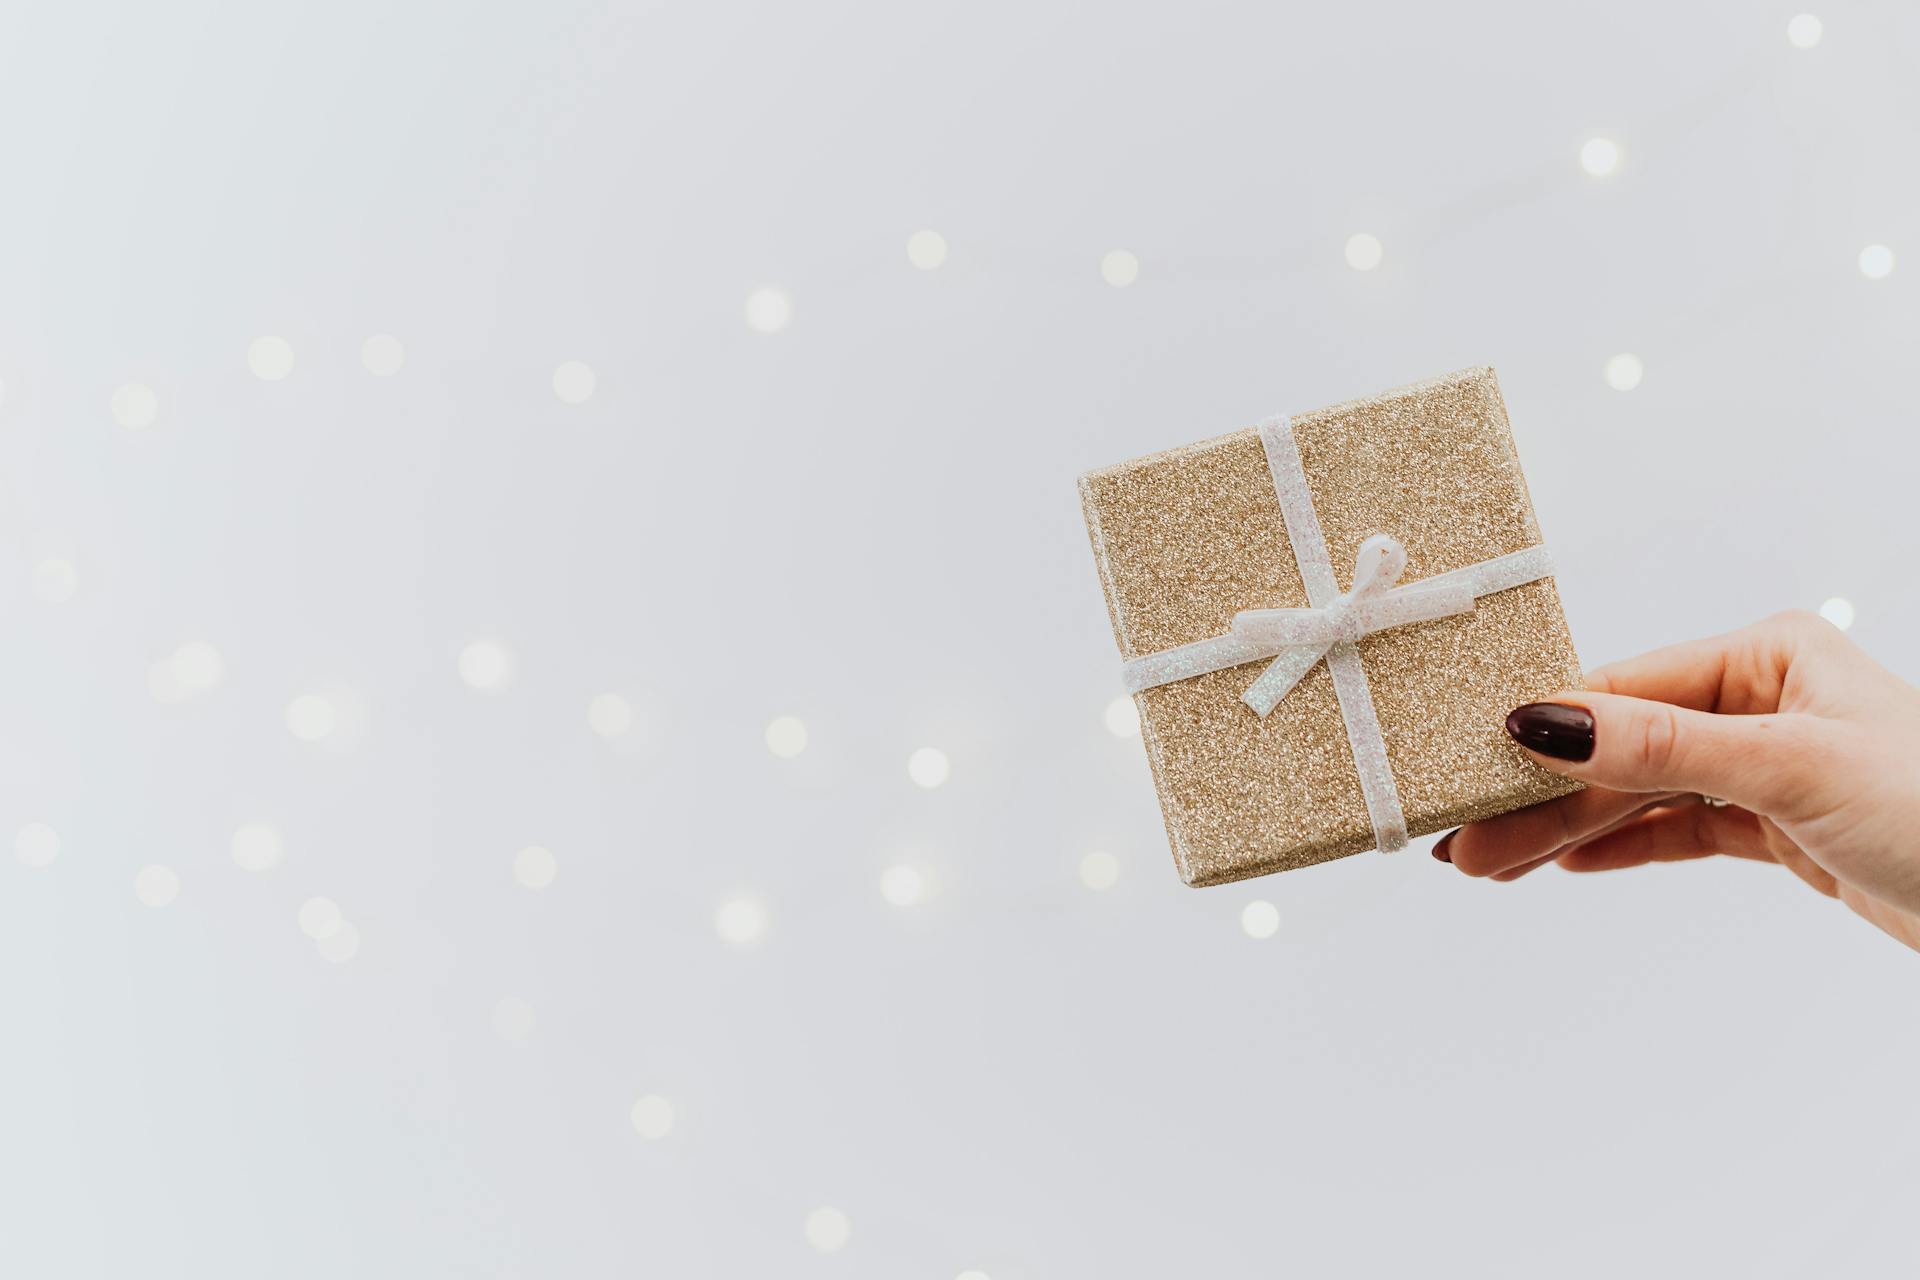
<point x="1369" y="745"/>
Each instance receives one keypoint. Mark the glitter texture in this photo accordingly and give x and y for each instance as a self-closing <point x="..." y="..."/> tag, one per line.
<point x="1187" y="538"/>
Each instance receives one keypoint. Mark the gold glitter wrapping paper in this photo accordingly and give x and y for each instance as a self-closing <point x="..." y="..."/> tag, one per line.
<point x="1187" y="538"/>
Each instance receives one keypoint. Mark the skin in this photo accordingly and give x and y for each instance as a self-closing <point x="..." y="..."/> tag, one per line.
<point x="1815" y="746"/>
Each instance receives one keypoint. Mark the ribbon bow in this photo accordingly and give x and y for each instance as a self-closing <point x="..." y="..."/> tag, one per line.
<point x="1302" y="637"/>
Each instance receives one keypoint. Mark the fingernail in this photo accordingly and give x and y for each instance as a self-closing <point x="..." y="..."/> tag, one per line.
<point x="1553" y="729"/>
<point x="1440" y="849"/>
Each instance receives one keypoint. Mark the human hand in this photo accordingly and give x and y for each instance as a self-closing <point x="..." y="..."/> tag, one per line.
<point x="1814" y="747"/>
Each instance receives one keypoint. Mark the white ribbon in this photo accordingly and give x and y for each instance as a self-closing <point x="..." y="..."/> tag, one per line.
<point x="1296" y="639"/>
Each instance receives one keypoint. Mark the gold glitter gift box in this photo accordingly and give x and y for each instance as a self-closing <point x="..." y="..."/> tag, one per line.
<point x="1188" y="538"/>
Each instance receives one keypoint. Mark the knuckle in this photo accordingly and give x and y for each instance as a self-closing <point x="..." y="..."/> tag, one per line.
<point x="1702" y="833"/>
<point x="1802" y="626"/>
<point x="1797" y="752"/>
<point x="1657" y="739"/>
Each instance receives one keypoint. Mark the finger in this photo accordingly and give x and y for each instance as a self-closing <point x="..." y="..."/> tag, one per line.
<point x="1738" y="673"/>
<point x="1499" y="844"/>
<point x="1525" y="868"/>
<point x="1897" y="924"/>
<point x="1782" y="765"/>
<point x="1672" y="833"/>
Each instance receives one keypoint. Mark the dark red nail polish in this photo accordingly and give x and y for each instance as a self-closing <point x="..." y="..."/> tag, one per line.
<point x="1440" y="849"/>
<point x="1553" y="729"/>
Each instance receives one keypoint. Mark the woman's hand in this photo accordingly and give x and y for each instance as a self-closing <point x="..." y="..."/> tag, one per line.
<point x="1814" y="746"/>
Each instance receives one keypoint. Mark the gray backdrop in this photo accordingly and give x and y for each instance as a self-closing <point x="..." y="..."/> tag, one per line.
<point x="866" y="519"/>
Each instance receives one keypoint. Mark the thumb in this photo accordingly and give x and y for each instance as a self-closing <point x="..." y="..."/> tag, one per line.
<point x="1768" y="764"/>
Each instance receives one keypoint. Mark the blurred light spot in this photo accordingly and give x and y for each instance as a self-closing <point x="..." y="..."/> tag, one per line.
<point x="340" y="946"/>
<point x="769" y="310"/>
<point x="156" y="886"/>
<point x="310" y="717"/>
<point x="55" y="580"/>
<point x="902" y="886"/>
<point x="1600" y="156"/>
<point x="609" y="715"/>
<point x="486" y="665"/>
<point x="1876" y="261"/>
<point x="973" y="1275"/>
<point x="319" y="918"/>
<point x="926" y="249"/>
<point x="36" y="844"/>
<point x="828" y="1230"/>
<point x="190" y="670"/>
<point x="1099" y="870"/>
<point x="1123" y="718"/>
<point x="271" y="359"/>
<point x="1119" y="268"/>
<point x="198" y="666"/>
<point x="652" y="1117"/>
<point x="928" y="767"/>
<point x="1804" y="31"/>
<point x="513" y="1019"/>
<point x="740" y="921"/>
<point x="535" y="867"/>
<point x="1838" y="611"/>
<point x="1363" y="252"/>
<point x="1260" y="919"/>
<point x="786" y="736"/>
<point x="257" y="847"/>
<point x="573" y="382"/>
<point x="135" y="406"/>
<point x="1624" y="371"/>
<point x="383" y="355"/>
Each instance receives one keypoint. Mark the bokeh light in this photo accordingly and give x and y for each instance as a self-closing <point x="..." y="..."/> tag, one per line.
<point x="786" y="736"/>
<point x="903" y="886"/>
<point x="270" y="358"/>
<point x="652" y="1116"/>
<point x="1119" y="268"/>
<point x="36" y="844"/>
<point x="513" y="1019"/>
<point x="1099" y="870"/>
<point x="486" y="666"/>
<point x="609" y="715"/>
<point x="319" y="917"/>
<point x="926" y="249"/>
<point x="768" y="310"/>
<point x="55" y="580"/>
<point x="535" y="867"/>
<point x="1876" y="262"/>
<point x="1260" y="919"/>
<point x="257" y="846"/>
<point x="135" y="405"/>
<point x="929" y="767"/>
<point x="828" y="1229"/>
<point x="1624" y="371"/>
<point x="740" y="921"/>
<point x="1600" y="156"/>
<point x="382" y="355"/>
<point x="1804" y="31"/>
<point x="573" y="382"/>
<point x="156" y="886"/>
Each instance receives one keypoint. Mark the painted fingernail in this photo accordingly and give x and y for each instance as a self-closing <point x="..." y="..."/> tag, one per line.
<point x="1553" y="729"/>
<point x="1440" y="849"/>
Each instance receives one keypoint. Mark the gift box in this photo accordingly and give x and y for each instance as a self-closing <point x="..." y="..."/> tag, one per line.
<point x="1324" y="621"/>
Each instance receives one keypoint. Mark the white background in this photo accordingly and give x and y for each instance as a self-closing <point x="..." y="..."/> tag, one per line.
<point x="867" y="519"/>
